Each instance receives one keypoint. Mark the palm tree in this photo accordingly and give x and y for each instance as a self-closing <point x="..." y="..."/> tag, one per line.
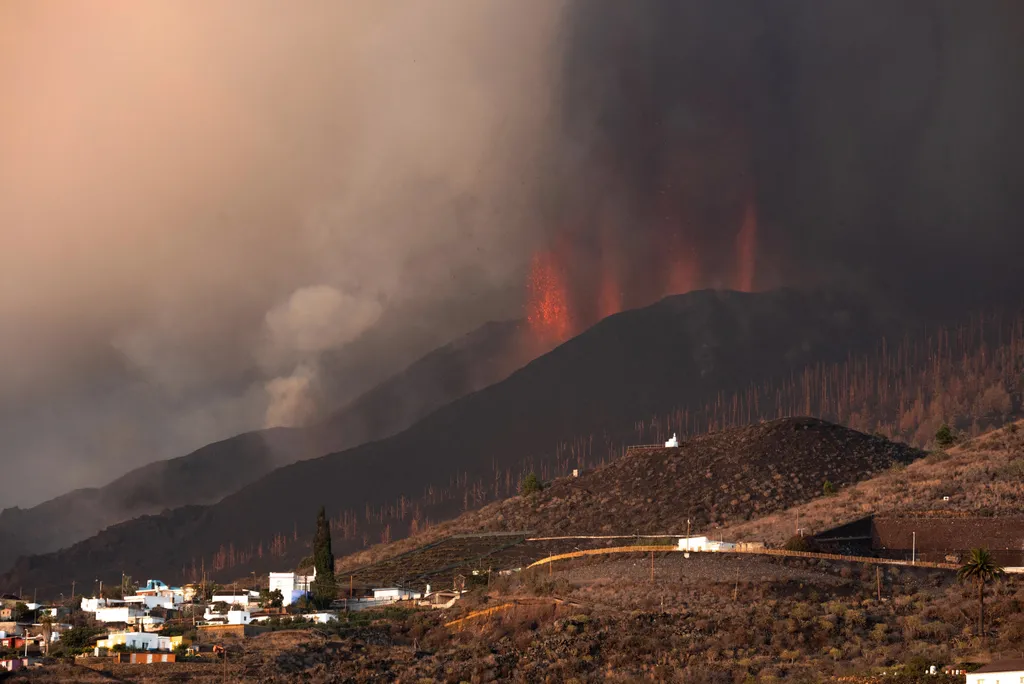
<point x="47" y="624"/>
<point x="981" y="568"/>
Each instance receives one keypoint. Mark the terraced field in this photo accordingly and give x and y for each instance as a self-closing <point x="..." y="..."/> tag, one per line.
<point x="440" y="562"/>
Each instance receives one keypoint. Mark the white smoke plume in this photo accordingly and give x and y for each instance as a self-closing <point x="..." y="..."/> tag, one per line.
<point x="218" y="214"/>
<point x="314" y="320"/>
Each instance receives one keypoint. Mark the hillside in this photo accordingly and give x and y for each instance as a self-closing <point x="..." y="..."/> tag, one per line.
<point x="593" y="388"/>
<point x="712" y="480"/>
<point x="652" y="491"/>
<point x="983" y="476"/>
<point x="207" y="475"/>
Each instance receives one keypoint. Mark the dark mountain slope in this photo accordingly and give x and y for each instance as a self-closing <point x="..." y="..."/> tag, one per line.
<point x="717" y="479"/>
<point x="209" y="474"/>
<point x="682" y="349"/>
<point x="713" y="481"/>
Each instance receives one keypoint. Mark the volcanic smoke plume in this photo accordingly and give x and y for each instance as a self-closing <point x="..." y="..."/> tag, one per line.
<point x="752" y="144"/>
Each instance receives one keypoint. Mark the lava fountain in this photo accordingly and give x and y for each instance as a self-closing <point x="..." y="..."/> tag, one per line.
<point x="548" y="302"/>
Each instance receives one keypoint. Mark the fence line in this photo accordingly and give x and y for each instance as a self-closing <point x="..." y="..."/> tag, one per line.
<point x="609" y="536"/>
<point x="598" y="552"/>
<point x="765" y="552"/>
<point x="485" y="612"/>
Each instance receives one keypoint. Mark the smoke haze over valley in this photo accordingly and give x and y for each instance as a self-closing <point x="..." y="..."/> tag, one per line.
<point x="222" y="216"/>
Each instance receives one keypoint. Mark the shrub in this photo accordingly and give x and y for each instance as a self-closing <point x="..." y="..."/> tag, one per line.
<point x="828" y="489"/>
<point x="271" y="599"/>
<point x="798" y="543"/>
<point x="945" y="437"/>
<point x="531" y="485"/>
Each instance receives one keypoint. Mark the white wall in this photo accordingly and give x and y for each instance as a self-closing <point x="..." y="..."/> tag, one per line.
<point x="292" y="586"/>
<point x="91" y="605"/>
<point x="144" y="640"/>
<point x="239" y="617"/>
<point x="120" y="614"/>
<point x="231" y="599"/>
<point x="1015" y="677"/>
<point x="693" y="543"/>
<point x="151" y="602"/>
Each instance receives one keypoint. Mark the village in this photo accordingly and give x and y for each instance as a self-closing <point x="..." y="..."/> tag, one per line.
<point x="157" y="623"/>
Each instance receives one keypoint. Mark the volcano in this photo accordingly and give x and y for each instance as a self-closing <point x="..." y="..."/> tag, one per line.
<point x="591" y="388"/>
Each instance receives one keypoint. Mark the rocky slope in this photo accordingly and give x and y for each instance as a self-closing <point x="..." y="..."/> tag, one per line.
<point x="713" y="480"/>
<point x="982" y="476"/>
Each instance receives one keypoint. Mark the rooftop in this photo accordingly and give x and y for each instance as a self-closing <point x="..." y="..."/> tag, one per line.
<point x="1011" y="665"/>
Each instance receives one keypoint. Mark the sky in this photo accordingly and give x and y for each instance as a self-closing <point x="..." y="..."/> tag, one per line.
<point x="221" y="215"/>
<point x="198" y="200"/>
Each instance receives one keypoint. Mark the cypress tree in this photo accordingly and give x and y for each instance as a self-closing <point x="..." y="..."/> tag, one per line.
<point x="323" y="560"/>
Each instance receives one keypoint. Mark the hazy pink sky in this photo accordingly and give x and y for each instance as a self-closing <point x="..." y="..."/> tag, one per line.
<point x="180" y="178"/>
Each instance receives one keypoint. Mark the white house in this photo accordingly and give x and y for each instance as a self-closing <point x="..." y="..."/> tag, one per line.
<point x="394" y="594"/>
<point x="232" y="617"/>
<point x="292" y="586"/>
<point x="693" y="543"/>
<point x="239" y="617"/>
<point x="241" y="598"/>
<point x="999" y="672"/>
<point x="704" y="544"/>
<point x="142" y="641"/>
<point x="91" y="605"/>
<point x="149" y="602"/>
<point x="674" y="442"/>
<point x="124" y="614"/>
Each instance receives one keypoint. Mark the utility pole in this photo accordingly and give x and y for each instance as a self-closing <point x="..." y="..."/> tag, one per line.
<point x="72" y="591"/>
<point x="687" y="534"/>
<point x="351" y="590"/>
<point x="913" y="549"/>
<point x="652" y="567"/>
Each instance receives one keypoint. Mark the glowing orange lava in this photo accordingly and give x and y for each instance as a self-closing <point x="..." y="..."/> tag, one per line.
<point x="548" y="309"/>
<point x="746" y="246"/>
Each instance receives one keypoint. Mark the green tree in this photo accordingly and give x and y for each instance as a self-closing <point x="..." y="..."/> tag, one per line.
<point x="531" y="485"/>
<point x="980" y="568"/>
<point x="828" y="489"/>
<point x="945" y="437"/>
<point x="79" y="639"/>
<point x="324" y="588"/>
<point x="271" y="599"/>
<point x="21" y="612"/>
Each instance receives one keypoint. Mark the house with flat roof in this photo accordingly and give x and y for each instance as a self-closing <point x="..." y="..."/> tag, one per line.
<point x="999" y="672"/>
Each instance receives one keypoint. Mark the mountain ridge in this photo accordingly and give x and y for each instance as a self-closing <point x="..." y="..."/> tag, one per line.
<point x="208" y="474"/>
<point x="628" y="365"/>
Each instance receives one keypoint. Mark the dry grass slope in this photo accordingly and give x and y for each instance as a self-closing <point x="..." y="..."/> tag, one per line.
<point x="727" y="477"/>
<point x="982" y="476"/>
